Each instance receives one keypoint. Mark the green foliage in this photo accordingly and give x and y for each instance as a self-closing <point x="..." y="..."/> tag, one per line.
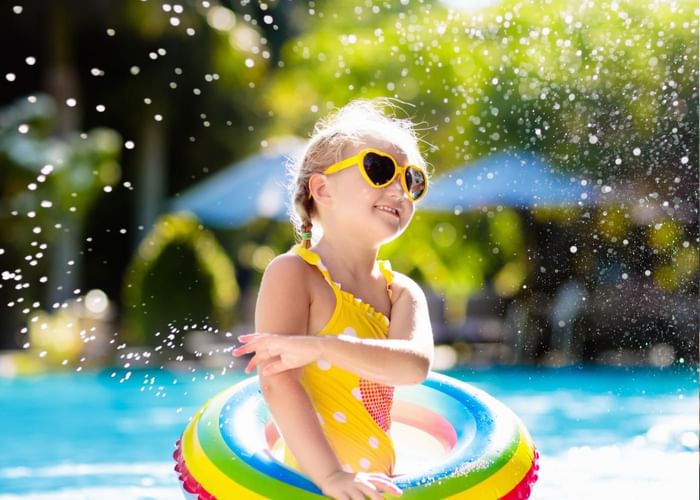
<point x="179" y="278"/>
<point x="581" y="83"/>
<point x="457" y="254"/>
<point x="48" y="185"/>
<point x="68" y="172"/>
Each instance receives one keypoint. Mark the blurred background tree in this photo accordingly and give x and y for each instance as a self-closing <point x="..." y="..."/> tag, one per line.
<point x="179" y="279"/>
<point x="51" y="185"/>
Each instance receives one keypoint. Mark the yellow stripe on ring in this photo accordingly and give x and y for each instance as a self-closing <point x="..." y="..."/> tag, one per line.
<point x="205" y="472"/>
<point x="507" y="477"/>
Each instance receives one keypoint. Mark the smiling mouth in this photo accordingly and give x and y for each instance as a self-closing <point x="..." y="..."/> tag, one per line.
<point x="388" y="210"/>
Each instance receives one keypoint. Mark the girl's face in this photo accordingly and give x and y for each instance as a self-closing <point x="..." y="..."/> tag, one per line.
<point x="355" y="201"/>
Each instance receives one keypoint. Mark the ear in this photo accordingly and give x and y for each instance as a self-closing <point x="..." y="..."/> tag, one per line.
<point x="319" y="188"/>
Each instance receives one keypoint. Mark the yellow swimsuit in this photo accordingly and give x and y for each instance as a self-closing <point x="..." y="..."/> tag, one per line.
<point x="355" y="413"/>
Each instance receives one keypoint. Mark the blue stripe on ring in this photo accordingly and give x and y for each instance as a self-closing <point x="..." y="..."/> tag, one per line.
<point x="255" y="453"/>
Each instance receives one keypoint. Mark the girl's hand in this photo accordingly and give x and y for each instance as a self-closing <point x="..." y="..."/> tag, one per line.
<point x="278" y="353"/>
<point x="356" y="486"/>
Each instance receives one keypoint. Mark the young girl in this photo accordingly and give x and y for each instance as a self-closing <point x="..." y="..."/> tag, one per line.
<point x="336" y="329"/>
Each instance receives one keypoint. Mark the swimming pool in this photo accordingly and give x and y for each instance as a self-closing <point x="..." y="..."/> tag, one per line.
<point x="602" y="432"/>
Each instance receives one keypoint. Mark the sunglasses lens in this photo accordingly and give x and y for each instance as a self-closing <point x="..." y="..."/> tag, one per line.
<point x="415" y="182"/>
<point x="380" y="169"/>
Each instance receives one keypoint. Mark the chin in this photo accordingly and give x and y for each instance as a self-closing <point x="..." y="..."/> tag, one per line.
<point x="392" y="235"/>
<point x="384" y="231"/>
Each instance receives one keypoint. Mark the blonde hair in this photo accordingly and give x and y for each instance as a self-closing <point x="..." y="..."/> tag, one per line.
<point x="351" y="124"/>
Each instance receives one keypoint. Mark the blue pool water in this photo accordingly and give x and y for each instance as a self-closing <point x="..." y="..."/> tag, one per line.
<point x="602" y="432"/>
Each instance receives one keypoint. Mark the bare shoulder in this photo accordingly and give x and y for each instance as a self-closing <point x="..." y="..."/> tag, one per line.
<point x="283" y="299"/>
<point x="288" y="268"/>
<point x="405" y="288"/>
<point x="286" y="277"/>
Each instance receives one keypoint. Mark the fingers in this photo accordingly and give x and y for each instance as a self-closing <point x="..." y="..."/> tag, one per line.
<point x="357" y="493"/>
<point x="384" y="483"/>
<point x="252" y="342"/>
<point x="387" y="487"/>
<point x="274" y="367"/>
<point x="368" y="490"/>
<point x="240" y="351"/>
<point x="249" y="337"/>
<point x="358" y="486"/>
<point x="243" y="349"/>
<point x="263" y="352"/>
<point x="253" y="363"/>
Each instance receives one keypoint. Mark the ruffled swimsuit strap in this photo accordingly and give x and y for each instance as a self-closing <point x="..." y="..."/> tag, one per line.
<point x="385" y="268"/>
<point x="315" y="260"/>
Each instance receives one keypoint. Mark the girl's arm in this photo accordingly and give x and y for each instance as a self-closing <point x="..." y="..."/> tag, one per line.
<point x="404" y="358"/>
<point x="277" y="310"/>
<point x="283" y="307"/>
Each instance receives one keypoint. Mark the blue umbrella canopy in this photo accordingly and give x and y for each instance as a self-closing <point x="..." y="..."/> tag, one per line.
<point x="517" y="179"/>
<point x="254" y="187"/>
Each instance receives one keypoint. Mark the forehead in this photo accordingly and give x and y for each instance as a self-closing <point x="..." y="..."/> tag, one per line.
<point x="382" y="145"/>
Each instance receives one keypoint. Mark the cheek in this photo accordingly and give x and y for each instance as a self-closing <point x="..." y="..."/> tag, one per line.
<point x="358" y="190"/>
<point x="409" y="213"/>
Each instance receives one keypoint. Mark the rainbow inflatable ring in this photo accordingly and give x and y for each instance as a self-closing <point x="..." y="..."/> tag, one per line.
<point x="483" y="450"/>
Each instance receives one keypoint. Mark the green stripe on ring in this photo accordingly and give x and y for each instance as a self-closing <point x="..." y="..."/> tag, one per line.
<point x="452" y="485"/>
<point x="233" y="466"/>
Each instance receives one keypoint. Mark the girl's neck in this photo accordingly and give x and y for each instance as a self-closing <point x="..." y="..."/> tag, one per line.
<point x="347" y="259"/>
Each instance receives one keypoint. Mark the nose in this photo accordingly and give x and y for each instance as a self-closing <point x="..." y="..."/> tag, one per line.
<point x="395" y="187"/>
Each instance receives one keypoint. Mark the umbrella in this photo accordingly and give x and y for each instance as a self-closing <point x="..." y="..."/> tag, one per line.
<point x="519" y="179"/>
<point x="254" y="187"/>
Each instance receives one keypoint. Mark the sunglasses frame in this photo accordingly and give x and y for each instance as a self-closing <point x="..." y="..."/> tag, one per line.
<point x="359" y="158"/>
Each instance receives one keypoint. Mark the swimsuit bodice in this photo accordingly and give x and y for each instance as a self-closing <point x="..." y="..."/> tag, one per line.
<point x="355" y="413"/>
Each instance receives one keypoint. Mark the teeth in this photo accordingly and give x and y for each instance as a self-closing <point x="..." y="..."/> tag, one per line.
<point x="387" y="209"/>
